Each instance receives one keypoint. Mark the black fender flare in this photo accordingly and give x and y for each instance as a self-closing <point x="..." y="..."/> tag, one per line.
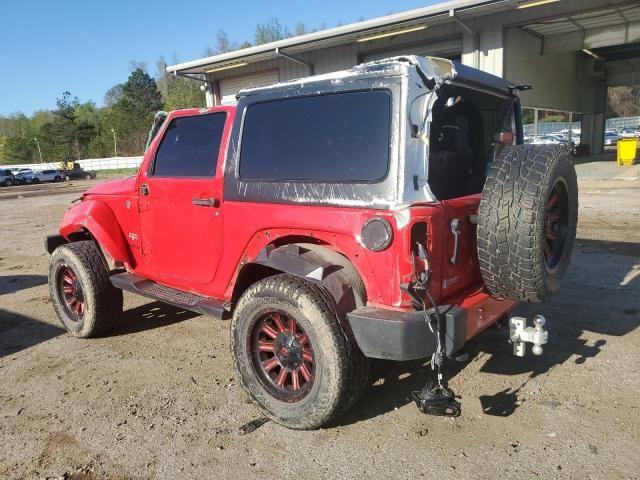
<point x="315" y="263"/>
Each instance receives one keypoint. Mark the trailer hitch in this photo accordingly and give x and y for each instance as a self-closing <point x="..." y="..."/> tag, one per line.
<point x="520" y="334"/>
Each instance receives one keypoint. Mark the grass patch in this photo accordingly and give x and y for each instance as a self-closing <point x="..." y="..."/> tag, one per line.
<point x="116" y="172"/>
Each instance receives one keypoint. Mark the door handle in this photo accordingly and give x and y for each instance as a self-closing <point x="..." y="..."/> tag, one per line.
<point x="144" y="189"/>
<point x="206" y="202"/>
<point x="455" y="230"/>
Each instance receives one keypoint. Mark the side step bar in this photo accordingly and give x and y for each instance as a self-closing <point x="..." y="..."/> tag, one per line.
<point x="177" y="298"/>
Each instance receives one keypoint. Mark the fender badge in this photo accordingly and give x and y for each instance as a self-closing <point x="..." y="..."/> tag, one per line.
<point x="450" y="281"/>
<point x="133" y="236"/>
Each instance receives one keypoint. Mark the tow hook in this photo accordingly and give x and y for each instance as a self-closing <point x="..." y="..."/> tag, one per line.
<point x="520" y="334"/>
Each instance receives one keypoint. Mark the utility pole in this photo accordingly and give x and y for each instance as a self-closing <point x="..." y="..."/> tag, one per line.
<point x="115" y="145"/>
<point x="39" y="151"/>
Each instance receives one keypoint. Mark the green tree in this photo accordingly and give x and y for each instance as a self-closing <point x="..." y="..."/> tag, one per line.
<point x="270" y="31"/>
<point x="19" y="146"/>
<point x="132" y="114"/>
<point x="58" y="139"/>
<point x="112" y="95"/>
<point x="20" y="150"/>
<point x="184" y="93"/>
<point x="3" y="150"/>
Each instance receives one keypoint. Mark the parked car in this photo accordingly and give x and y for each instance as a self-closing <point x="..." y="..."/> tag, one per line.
<point x="547" y="139"/>
<point x="332" y="222"/>
<point x="19" y="171"/>
<point x="611" y="138"/>
<point x="630" y="132"/>
<point x="6" y="178"/>
<point x="581" y="149"/>
<point x="73" y="170"/>
<point x="44" y="176"/>
<point x="20" y="175"/>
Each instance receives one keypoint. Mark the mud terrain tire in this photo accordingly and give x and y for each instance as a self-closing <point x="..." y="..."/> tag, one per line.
<point x="527" y="221"/>
<point x="338" y="365"/>
<point x="78" y="273"/>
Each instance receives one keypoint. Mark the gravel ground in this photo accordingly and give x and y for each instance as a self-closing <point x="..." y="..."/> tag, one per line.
<point x="159" y="398"/>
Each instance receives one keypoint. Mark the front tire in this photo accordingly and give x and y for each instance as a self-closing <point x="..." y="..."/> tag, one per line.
<point x="291" y="354"/>
<point x="84" y="299"/>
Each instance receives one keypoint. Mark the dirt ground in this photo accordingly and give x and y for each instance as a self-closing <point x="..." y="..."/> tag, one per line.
<point x="159" y="398"/>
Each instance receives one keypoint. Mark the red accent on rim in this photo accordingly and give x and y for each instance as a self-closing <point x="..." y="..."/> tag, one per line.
<point x="72" y="293"/>
<point x="283" y="356"/>
<point x="555" y="225"/>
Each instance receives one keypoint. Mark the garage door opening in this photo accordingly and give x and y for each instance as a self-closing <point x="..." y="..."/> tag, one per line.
<point x="229" y="87"/>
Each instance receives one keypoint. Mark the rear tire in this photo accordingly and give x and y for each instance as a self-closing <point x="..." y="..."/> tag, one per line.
<point x="527" y="221"/>
<point x="319" y="369"/>
<point x="84" y="299"/>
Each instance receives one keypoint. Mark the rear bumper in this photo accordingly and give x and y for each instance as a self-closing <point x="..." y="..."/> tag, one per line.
<point x="396" y="335"/>
<point x="393" y="335"/>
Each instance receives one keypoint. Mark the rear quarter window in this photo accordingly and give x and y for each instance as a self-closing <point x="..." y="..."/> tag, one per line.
<point x="331" y="138"/>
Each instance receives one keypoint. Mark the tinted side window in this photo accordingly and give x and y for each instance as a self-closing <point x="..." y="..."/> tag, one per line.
<point x="325" y="138"/>
<point x="190" y="146"/>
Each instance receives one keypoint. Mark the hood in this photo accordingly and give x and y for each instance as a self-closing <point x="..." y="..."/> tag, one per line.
<point x="121" y="186"/>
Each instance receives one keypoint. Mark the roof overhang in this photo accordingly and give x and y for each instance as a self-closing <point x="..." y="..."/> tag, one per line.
<point x="589" y="29"/>
<point x="441" y="13"/>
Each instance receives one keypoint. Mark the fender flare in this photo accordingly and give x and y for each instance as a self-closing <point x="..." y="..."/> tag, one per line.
<point x="318" y="264"/>
<point x="98" y="219"/>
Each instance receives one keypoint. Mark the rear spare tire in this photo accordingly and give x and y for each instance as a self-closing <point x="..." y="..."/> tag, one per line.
<point x="527" y="221"/>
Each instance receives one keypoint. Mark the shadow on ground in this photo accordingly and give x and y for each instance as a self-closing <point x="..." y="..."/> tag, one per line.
<point x="597" y="296"/>
<point x="18" y="332"/>
<point x="15" y="283"/>
<point x="149" y="316"/>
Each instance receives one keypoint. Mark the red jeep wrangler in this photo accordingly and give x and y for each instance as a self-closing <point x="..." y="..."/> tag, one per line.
<point x="388" y="211"/>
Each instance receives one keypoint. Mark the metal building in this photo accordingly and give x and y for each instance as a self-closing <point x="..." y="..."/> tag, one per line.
<point x="569" y="51"/>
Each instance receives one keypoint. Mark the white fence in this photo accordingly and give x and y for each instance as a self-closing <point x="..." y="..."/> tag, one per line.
<point x="87" y="164"/>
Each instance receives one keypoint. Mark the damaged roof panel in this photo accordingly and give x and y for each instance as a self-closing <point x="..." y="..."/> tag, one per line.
<point x="432" y="70"/>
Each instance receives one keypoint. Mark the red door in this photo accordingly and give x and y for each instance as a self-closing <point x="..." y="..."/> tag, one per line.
<point x="180" y="196"/>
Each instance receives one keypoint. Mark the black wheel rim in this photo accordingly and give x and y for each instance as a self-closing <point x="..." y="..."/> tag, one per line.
<point x="71" y="293"/>
<point x="282" y="356"/>
<point x="556" y="225"/>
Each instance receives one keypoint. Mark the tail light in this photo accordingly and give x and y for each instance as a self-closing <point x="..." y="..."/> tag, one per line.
<point x="505" y="138"/>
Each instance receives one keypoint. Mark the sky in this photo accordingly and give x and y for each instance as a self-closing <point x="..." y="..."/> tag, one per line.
<point x="86" y="47"/>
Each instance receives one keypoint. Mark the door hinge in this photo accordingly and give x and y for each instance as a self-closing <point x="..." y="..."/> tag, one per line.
<point x="146" y="249"/>
<point x="143" y="206"/>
